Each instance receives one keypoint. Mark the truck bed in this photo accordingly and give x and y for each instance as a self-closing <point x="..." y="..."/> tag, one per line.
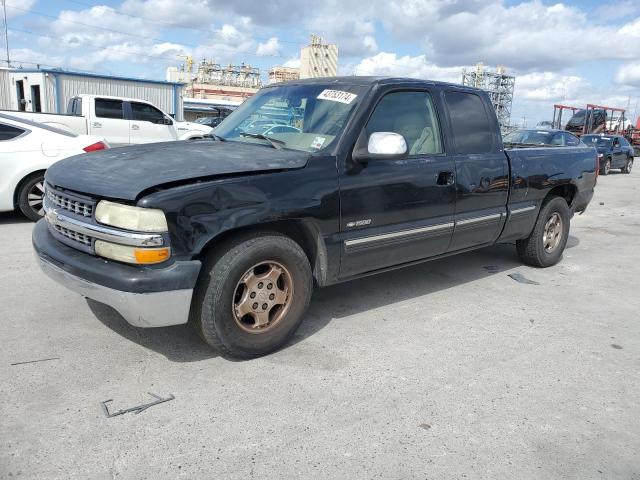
<point x="70" y="123"/>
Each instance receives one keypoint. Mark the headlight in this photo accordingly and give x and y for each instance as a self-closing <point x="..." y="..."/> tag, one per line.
<point x="125" y="253"/>
<point x="131" y="218"/>
<point x="600" y="155"/>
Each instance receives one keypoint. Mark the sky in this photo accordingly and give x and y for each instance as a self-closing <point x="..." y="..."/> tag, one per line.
<point x="576" y="52"/>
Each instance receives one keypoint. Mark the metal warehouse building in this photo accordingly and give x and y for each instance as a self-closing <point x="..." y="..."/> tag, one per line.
<point x="49" y="90"/>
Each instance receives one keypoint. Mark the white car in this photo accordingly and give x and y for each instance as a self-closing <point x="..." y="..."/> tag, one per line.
<point x="27" y="149"/>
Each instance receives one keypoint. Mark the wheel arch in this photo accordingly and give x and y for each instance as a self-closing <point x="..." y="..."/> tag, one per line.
<point x="567" y="191"/>
<point x="305" y="233"/>
<point x="26" y="178"/>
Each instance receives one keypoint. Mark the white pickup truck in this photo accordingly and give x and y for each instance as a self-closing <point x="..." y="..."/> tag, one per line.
<point x="121" y="121"/>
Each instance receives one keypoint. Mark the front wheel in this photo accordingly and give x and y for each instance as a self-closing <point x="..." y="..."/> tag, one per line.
<point x="629" y="165"/>
<point x="606" y="168"/>
<point x="31" y="197"/>
<point x="544" y="247"/>
<point x="253" y="295"/>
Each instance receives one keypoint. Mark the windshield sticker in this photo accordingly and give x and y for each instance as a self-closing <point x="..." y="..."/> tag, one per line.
<point x="337" y="96"/>
<point x="318" y="142"/>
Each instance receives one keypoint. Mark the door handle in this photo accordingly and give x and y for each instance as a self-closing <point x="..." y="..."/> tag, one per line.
<point x="445" y="178"/>
<point x="135" y="127"/>
<point x="96" y="125"/>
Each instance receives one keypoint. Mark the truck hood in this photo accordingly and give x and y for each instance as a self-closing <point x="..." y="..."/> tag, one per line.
<point x="125" y="172"/>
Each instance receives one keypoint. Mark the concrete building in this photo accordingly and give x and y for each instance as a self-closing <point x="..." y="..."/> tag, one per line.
<point x="318" y="59"/>
<point x="49" y="90"/>
<point x="280" y="74"/>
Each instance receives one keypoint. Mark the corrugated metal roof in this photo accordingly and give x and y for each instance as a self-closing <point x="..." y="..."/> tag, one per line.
<point x="91" y="75"/>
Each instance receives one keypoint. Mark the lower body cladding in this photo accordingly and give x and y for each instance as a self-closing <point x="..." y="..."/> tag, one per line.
<point x="156" y="296"/>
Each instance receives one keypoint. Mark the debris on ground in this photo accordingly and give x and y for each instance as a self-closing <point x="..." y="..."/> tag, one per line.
<point x="616" y="346"/>
<point x="601" y="203"/>
<point x="35" y="361"/>
<point x="492" y="268"/>
<point x="518" y="277"/>
<point x="426" y="426"/>
<point x="137" y="409"/>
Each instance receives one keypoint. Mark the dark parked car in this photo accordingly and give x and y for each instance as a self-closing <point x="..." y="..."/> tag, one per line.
<point x="614" y="151"/>
<point x="558" y="138"/>
<point x="232" y="233"/>
<point x="594" y="119"/>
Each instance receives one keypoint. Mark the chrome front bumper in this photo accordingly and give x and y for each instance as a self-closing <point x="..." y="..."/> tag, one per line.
<point x="154" y="309"/>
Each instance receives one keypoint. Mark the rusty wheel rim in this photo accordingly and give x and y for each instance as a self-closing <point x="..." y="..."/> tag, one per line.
<point x="553" y="230"/>
<point x="262" y="297"/>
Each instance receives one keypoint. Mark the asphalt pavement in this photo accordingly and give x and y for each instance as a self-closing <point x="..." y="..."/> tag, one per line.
<point x="450" y="369"/>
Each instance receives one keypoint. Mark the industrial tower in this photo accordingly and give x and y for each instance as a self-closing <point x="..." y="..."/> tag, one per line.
<point x="498" y="85"/>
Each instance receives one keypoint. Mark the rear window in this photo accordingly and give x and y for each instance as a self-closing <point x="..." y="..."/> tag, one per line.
<point x="471" y="126"/>
<point x="9" y="132"/>
<point x="107" y="108"/>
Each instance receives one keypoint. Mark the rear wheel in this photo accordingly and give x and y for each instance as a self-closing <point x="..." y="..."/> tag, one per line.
<point x="629" y="165"/>
<point x="254" y="296"/>
<point x="31" y="197"/>
<point x="606" y="168"/>
<point x="544" y="247"/>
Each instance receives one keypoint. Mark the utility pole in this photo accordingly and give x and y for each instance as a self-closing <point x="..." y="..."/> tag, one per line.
<point x="6" y="31"/>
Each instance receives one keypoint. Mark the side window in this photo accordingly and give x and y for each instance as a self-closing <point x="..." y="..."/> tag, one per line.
<point x="557" y="139"/>
<point x="571" y="140"/>
<point x="107" y="108"/>
<point x="9" y="132"/>
<point x="146" y="113"/>
<point x="472" y="128"/>
<point x="412" y="115"/>
<point x="616" y="142"/>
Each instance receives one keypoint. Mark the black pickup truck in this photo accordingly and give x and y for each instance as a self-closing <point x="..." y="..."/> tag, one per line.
<point x="311" y="182"/>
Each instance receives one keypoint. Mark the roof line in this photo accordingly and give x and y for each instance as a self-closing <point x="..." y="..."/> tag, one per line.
<point x="93" y="75"/>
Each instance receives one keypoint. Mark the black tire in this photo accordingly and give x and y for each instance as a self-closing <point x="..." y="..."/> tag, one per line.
<point x="30" y="206"/>
<point x="606" y="168"/>
<point x="213" y="309"/>
<point x="629" y="165"/>
<point x="532" y="250"/>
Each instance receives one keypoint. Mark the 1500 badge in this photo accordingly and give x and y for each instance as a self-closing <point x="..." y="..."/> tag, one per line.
<point x="359" y="223"/>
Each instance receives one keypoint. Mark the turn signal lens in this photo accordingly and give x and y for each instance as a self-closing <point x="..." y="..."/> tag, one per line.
<point x="151" y="255"/>
<point x="127" y="254"/>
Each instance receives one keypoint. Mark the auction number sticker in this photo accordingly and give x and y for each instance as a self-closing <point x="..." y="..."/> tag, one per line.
<point x="318" y="142"/>
<point x="337" y="96"/>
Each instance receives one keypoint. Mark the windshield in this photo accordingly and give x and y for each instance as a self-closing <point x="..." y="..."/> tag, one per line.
<point x="529" y="136"/>
<point x="302" y="117"/>
<point x="597" y="140"/>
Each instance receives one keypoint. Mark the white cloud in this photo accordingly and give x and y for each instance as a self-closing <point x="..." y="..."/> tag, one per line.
<point x="98" y="27"/>
<point x="172" y="12"/>
<point x="629" y="74"/>
<point x="269" y="48"/>
<point x="385" y="63"/>
<point x="21" y="7"/>
<point x="550" y="87"/>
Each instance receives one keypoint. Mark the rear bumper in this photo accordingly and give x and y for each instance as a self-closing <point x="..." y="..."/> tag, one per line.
<point x="144" y="296"/>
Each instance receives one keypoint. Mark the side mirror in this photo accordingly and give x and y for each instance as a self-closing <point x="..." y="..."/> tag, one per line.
<point x="379" y="146"/>
<point x="166" y="121"/>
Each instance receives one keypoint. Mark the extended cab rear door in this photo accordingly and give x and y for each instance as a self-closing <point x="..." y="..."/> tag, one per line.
<point x="109" y="121"/>
<point x="482" y="169"/>
<point x="401" y="210"/>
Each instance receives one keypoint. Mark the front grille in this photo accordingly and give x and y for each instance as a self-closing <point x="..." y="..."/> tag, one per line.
<point x="75" y="236"/>
<point x="70" y="204"/>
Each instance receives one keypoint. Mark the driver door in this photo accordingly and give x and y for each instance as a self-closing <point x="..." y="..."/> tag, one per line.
<point x="398" y="211"/>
